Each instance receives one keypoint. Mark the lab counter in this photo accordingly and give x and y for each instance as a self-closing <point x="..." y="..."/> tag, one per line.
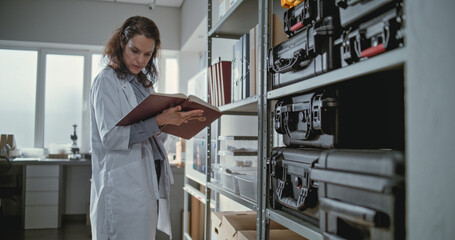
<point x="50" y="185"/>
<point x="50" y="161"/>
<point x="46" y="184"/>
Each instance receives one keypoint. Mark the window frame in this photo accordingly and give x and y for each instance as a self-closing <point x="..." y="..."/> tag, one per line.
<point x="61" y="49"/>
<point x="84" y="139"/>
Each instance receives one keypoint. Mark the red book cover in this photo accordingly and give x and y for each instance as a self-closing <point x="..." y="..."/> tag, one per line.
<point x="224" y="80"/>
<point x="156" y="103"/>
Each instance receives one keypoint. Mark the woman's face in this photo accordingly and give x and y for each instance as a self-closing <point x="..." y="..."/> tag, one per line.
<point x="137" y="53"/>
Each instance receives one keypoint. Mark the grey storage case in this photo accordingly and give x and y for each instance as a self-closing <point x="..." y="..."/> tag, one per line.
<point x="361" y="194"/>
<point x="352" y="11"/>
<point x="292" y="188"/>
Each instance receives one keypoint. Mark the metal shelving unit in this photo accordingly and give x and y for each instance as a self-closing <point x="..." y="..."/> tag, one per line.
<point x="241" y="17"/>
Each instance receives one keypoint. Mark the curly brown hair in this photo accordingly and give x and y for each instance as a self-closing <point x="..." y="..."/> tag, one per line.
<point x="113" y="52"/>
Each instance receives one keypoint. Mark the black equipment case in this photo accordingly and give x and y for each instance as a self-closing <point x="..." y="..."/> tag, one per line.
<point x="364" y="113"/>
<point x="361" y="194"/>
<point x="352" y="11"/>
<point x="374" y="36"/>
<point x="308" y="13"/>
<point x="309" y="53"/>
<point x="292" y="189"/>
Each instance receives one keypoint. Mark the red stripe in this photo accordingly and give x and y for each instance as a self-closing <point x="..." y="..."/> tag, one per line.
<point x="297" y="26"/>
<point x="372" y="51"/>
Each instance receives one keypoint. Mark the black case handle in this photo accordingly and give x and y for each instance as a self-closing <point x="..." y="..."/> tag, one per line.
<point x="307" y="197"/>
<point x="346" y="3"/>
<point x="358" y="214"/>
<point x="296" y="63"/>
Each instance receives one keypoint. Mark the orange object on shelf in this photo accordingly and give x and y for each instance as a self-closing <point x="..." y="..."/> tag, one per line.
<point x="290" y="3"/>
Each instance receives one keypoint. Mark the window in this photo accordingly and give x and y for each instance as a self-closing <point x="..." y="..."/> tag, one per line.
<point x="18" y="95"/>
<point x="171" y="84"/>
<point x="44" y="92"/>
<point x="64" y="77"/>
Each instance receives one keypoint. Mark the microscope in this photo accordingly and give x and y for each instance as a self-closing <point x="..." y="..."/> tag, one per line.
<point x="74" y="155"/>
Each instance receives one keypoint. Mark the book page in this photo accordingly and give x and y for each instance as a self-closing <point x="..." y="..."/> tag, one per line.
<point x="202" y="102"/>
<point x="176" y="95"/>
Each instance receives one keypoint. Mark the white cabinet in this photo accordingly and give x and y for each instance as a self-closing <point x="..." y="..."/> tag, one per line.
<point x="42" y="196"/>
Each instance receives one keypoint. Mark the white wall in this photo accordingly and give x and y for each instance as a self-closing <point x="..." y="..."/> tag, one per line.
<point x="80" y="21"/>
<point x="192" y="13"/>
<point x="430" y="115"/>
<point x="189" y="64"/>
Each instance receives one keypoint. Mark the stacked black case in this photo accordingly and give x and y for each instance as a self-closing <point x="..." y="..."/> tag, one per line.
<point x="292" y="187"/>
<point x="365" y="113"/>
<point x="310" y="49"/>
<point x="361" y="194"/>
<point x="369" y="28"/>
<point x="342" y="166"/>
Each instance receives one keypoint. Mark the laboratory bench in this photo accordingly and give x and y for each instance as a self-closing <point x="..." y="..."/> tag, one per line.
<point x="50" y="161"/>
<point x="47" y="187"/>
<point x="43" y="187"/>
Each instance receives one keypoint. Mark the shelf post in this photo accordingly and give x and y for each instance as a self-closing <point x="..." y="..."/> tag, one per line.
<point x="208" y="167"/>
<point x="263" y="143"/>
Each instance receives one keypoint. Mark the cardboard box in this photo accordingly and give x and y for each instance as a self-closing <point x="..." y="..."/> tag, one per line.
<point x="217" y="219"/>
<point x="7" y="139"/>
<point x="278" y="34"/>
<point x="233" y="223"/>
<point x="275" y="234"/>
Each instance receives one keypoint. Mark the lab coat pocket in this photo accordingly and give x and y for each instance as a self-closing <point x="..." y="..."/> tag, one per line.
<point x="130" y="194"/>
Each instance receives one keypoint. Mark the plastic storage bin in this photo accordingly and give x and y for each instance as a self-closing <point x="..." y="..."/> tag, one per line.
<point x="247" y="186"/>
<point x="216" y="168"/>
<point x="238" y="143"/>
<point x="228" y="180"/>
<point x="229" y="159"/>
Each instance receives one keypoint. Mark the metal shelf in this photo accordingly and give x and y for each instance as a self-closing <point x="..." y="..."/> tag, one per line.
<point x="197" y="194"/>
<point x="297" y="225"/>
<point x="194" y="192"/>
<point x="390" y="60"/>
<point x="247" y="106"/>
<point x="240" y="18"/>
<point x="195" y="175"/>
<point x="241" y="200"/>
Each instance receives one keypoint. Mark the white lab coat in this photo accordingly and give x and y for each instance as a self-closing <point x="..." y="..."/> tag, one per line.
<point x="124" y="188"/>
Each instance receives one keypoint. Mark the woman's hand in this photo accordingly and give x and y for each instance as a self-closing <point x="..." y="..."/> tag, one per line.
<point x="173" y="116"/>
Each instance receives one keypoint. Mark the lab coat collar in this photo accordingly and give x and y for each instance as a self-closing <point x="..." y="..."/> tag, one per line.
<point x="130" y="77"/>
<point x="129" y="92"/>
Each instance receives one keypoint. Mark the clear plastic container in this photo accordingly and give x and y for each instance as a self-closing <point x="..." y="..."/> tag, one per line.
<point x="229" y="159"/>
<point x="247" y="186"/>
<point x="216" y="168"/>
<point x="238" y="143"/>
<point x="31" y="153"/>
<point x="228" y="180"/>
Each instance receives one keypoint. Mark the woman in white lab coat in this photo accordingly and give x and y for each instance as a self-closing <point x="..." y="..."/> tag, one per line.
<point x="131" y="176"/>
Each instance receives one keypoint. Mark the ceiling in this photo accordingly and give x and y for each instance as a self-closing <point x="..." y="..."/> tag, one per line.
<point x="165" y="3"/>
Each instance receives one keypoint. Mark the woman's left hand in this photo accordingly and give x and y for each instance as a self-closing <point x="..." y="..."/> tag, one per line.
<point x="174" y="116"/>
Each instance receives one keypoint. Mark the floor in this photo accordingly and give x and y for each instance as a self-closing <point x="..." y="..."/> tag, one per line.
<point x="71" y="230"/>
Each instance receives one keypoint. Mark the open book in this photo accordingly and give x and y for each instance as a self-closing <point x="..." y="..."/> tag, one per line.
<point x="156" y="103"/>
